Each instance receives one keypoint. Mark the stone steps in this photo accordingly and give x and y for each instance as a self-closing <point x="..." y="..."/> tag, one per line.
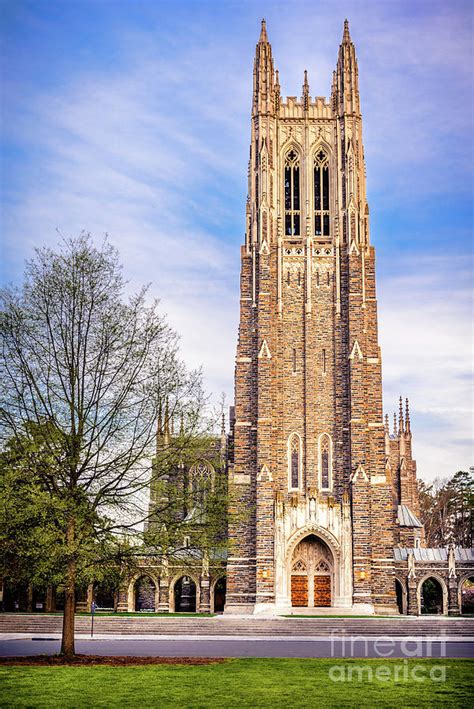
<point x="239" y="626"/>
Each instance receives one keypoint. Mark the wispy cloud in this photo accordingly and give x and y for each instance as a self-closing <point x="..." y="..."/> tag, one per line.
<point x="141" y="130"/>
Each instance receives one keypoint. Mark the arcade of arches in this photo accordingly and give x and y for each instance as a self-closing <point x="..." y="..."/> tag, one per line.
<point x="312" y="571"/>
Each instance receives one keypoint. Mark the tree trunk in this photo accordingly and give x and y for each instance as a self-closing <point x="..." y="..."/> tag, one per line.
<point x="67" y="644"/>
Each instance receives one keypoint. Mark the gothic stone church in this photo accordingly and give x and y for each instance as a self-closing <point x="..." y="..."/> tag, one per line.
<point x="330" y="490"/>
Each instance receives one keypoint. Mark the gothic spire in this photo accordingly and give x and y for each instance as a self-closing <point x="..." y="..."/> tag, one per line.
<point x="387" y="428"/>
<point x="395" y="424"/>
<point x="305" y="91"/>
<point x="346" y="37"/>
<point x="346" y="88"/>
<point x="263" y="75"/>
<point x="407" y="416"/>
<point x="400" y="416"/>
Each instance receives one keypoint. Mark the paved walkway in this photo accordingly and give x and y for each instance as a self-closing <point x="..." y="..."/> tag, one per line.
<point x="218" y="646"/>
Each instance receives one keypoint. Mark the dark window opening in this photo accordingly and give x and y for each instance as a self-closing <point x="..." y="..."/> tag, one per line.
<point x="294" y="468"/>
<point x="294" y="360"/>
<point x="324" y="361"/>
<point x="321" y="194"/>
<point x="292" y="194"/>
<point x="325" y="469"/>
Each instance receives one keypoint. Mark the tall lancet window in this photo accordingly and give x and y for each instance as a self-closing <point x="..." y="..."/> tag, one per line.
<point x="325" y="462"/>
<point x="321" y="194"/>
<point x="294" y="461"/>
<point x="292" y="194"/>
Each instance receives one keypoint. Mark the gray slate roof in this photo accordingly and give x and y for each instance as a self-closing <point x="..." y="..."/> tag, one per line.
<point x="439" y="554"/>
<point x="406" y="518"/>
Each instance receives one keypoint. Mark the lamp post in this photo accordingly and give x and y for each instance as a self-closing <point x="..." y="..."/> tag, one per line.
<point x="93" y="608"/>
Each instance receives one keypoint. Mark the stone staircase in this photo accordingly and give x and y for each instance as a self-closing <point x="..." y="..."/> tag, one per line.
<point x="242" y="626"/>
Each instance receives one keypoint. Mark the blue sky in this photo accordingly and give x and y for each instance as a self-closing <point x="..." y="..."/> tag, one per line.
<point x="132" y="118"/>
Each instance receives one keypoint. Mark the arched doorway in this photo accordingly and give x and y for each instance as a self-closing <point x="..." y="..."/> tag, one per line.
<point x="401" y="596"/>
<point x="466" y="601"/>
<point x="312" y="571"/>
<point x="185" y="595"/>
<point x="145" y="591"/>
<point x="219" y="595"/>
<point x="431" y="597"/>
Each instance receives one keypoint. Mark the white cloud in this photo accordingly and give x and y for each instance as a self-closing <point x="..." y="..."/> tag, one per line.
<point x="155" y="154"/>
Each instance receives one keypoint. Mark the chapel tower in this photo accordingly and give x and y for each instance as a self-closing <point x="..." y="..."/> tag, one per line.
<point x="310" y="462"/>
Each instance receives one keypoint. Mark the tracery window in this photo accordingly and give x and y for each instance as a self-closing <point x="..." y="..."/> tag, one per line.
<point x="292" y="194"/>
<point x="325" y="462"/>
<point x="321" y="194"/>
<point x="201" y="481"/>
<point x="294" y="461"/>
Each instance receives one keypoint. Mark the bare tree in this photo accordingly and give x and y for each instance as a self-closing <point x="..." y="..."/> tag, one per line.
<point x="89" y="369"/>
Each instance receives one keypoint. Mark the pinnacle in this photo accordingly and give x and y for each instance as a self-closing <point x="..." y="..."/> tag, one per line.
<point x="346" y="37"/>
<point x="263" y="33"/>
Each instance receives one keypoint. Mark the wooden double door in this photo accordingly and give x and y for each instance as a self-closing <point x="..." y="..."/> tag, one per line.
<point x="311" y="574"/>
<point x="321" y="590"/>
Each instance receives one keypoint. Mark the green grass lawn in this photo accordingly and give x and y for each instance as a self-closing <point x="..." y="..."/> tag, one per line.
<point x="240" y="683"/>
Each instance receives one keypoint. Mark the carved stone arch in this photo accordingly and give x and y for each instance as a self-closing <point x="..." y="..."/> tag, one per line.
<point x="298" y="567"/>
<point x="403" y="585"/>
<point x="219" y="577"/>
<point x="295" y="439"/>
<point x="442" y="583"/>
<point x="325" y="441"/>
<point x="175" y="579"/>
<point x="131" y="590"/>
<point x="318" y="531"/>
<point x="323" y="145"/>
<point x="464" y="577"/>
<point x="289" y="144"/>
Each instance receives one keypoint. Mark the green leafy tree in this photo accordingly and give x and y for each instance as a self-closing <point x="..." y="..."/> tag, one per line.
<point x="447" y="509"/>
<point x="83" y="374"/>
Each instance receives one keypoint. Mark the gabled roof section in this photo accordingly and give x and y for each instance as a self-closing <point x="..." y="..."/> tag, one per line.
<point x="406" y="518"/>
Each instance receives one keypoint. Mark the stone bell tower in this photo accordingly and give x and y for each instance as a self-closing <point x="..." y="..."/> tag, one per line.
<point x="316" y="521"/>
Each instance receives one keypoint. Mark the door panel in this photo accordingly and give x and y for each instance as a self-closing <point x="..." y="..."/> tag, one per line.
<point x="322" y="590"/>
<point x="299" y="590"/>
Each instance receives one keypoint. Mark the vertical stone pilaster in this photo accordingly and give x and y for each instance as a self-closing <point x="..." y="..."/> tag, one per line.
<point x="124" y="604"/>
<point x="164" y="598"/>
<point x="205" y="598"/>
<point x="453" y="599"/>
<point x="412" y="597"/>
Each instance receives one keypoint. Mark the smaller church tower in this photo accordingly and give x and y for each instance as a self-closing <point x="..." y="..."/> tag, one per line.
<point x="401" y="470"/>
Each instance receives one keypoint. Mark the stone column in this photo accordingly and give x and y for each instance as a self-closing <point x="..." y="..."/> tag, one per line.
<point x="412" y="598"/>
<point x="164" y="600"/>
<point x="122" y="604"/>
<point x="205" y="599"/>
<point x="453" y="599"/>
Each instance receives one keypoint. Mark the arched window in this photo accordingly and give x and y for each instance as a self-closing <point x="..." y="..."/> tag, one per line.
<point x="292" y="194"/>
<point x="201" y="481"/>
<point x="321" y="194"/>
<point x="325" y="462"/>
<point x="294" y="461"/>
